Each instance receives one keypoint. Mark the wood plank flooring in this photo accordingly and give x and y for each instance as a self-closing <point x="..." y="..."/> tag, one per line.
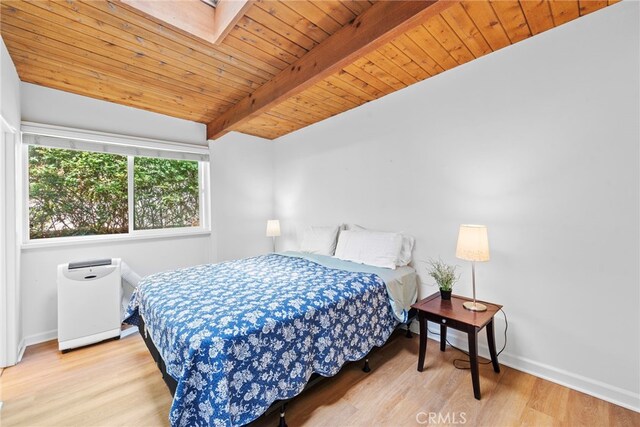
<point x="116" y="383"/>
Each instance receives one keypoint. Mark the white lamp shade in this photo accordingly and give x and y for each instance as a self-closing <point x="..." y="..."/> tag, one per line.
<point x="273" y="228"/>
<point x="473" y="243"/>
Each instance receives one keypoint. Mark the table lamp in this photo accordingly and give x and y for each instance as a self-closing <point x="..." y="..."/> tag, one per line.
<point x="273" y="230"/>
<point x="473" y="245"/>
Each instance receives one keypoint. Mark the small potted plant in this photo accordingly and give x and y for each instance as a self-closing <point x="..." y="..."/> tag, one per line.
<point x="445" y="277"/>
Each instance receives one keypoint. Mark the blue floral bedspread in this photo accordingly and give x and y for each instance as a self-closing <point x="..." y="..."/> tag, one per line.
<point x="241" y="334"/>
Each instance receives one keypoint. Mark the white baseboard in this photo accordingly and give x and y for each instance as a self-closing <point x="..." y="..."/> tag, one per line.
<point x="35" y="339"/>
<point x="52" y="335"/>
<point x="41" y="337"/>
<point x="595" y="388"/>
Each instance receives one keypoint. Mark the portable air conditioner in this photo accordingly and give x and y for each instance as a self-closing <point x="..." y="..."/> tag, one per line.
<point x="89" y="302"/>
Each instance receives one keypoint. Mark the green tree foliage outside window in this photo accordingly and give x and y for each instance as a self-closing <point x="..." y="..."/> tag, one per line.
<point x="76" y="193"/>
<point x="165" y="193"/>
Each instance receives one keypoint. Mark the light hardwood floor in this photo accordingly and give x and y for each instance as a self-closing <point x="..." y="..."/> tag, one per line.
<point x="116" y="383"/>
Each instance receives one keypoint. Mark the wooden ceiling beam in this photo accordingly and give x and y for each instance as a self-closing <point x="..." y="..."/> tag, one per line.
<point x="194" y="16"/>
<point x="377" y="26"/>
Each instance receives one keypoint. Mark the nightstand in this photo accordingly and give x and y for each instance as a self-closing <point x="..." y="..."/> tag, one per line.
<point x="451" y="314"/>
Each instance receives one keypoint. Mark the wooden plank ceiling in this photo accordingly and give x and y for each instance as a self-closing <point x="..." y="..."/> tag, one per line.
<point x="110" y="50"/>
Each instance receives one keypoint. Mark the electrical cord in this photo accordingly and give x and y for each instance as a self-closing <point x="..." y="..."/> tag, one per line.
<point x="457" y="366"/>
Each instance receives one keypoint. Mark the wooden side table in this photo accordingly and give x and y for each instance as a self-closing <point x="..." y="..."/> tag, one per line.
<point x="451" y="314"/>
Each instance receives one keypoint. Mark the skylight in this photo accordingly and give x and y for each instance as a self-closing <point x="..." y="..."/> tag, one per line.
<point x="212" y="3"/>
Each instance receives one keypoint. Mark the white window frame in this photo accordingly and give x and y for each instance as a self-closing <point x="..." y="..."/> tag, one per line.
<point x="106" y="138"/>
<point x="10" y="346"/>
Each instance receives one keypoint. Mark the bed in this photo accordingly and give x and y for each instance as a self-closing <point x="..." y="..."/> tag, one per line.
<point x="236" y="337"/>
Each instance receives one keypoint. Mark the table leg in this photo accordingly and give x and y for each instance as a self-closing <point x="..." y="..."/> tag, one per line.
<point x="423" y="340"/>
<point x="491" y="340"/>
<point x="443" y="337"/>
<point x="473" y="359"/>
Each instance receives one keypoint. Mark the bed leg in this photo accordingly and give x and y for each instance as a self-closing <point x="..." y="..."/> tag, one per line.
<point x="366" y="367"/>
<point x="282" y="422"/>
<point x="408" y="334"/>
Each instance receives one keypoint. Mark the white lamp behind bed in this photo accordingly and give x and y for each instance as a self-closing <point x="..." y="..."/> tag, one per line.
<point x="273" y="230"/>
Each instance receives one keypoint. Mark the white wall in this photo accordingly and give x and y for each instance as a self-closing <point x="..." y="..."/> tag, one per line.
<point x="50" y="106"/>
<point x="539" y="141"/>
<point x="9" y="88"/>
<point x="38" y="284"/>
<point x="242" y="191"/>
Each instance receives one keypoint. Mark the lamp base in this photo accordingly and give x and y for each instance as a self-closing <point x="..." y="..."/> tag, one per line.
<point x="474" y="306"/>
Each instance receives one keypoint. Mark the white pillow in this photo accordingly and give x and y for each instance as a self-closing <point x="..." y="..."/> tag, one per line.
<point x="319" y="240"/>
<point x="375" y="248"/>
<point x="404" y="258"/>
<point x="407" y="248"/>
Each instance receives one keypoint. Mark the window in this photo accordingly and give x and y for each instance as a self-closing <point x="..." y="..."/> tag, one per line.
<point x="89" y="187"/>
<point x="76" y="193"/>
<point x="165" y="193"/>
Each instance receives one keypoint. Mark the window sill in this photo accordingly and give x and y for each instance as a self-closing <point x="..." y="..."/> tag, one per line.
<point x="55" y="242"/>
